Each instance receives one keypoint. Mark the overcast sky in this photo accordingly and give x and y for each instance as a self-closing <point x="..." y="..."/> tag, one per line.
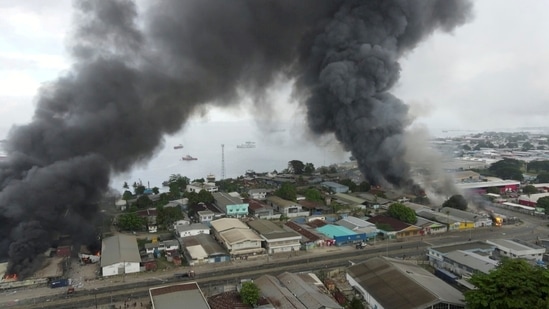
<point x="492" y="73"/>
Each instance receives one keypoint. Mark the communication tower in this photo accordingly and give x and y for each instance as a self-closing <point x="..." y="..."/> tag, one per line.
<point x="222" y="161"/>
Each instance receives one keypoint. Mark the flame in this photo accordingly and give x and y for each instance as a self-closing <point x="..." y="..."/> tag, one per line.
<point x="10" y="277"/>
<point x="98" y="253"/>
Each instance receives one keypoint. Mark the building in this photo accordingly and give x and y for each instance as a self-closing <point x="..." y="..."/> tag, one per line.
<point x="504" y="186"/>
<point x="231" y="206"/>
<point x="258" y="194"/>
<point x="516" y="248"/>
<point x="260" y="210"/>
<point x="452" y="222"/>
<point x="309" y="237"/>
<point x="454" y="257"/>
<point x="166" y="245"/>
<point x="205" y="216"/>
<point x="203" y="248"/>
<point x="173" y="296"/>
<point x="236" y="237"/>
<point x="467" y="219"/>
<point x="199" y="186"/>
<point x="301" y="291"/>
<point x="531" y="200"/>
<point x="191" y="229"/>
<point x="119" y="255"/>
<point x="349" y="200"/>
<point x="334" y="187"/>
<point x="341" y="235"/>
<point x="359" y="226"/>
<point x="394" y="228"/>
<point x="286" y="208"/>
<point x="275" y="238"/>
<point x="387" y="283"/>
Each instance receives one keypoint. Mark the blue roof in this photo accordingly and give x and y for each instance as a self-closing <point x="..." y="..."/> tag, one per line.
<point x="332" y="231"/>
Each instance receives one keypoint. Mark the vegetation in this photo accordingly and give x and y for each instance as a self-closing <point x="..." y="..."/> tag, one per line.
<point x="313" y="194"/>
<point x="364" y="187"/>
<point x="349" y="183"/>
<point x="538" y="166"/>
<point x="201" y="197"/>
<point x="131" y="222"/>
<point x="493" y="190"/>
<point x="249" y="293"/>
<point x="287" y="191"/>
<point x="140" y="189"/>
<point x="529" y="189"/>
<point x="456" y="201"/>
<point x="402" y="213"/>
<point x="309" y="169"/>
<point x="543" y="202"/>
<point x="166" y="216"/>
<point x="513" y="284"/>
<point x="507" y="169"/>
<point x="542" y="177"/>
<point x="296" y="167"/>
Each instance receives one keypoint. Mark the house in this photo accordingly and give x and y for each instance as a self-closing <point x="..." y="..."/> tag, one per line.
<point x="150" y="217"/>
<point x="260" y="210"/>
<point x="347" y="199"/>
<point x="203" y="248"/>
<point x="313" y="207"/>
<point x="231" y="206"/>
<point x="309" y="237"/>
<point x="174" y="295"/>
<point x="359" y="226"/>
<point x="429" y="227"/>
<point x="119" y="255"/>
<point x="334" y="187"/>
<point x="391" y="283"/>
<point x="467" y="219"/>
<point x="180" y="223"/>
<point x="302" y="291"/>
<point x="258" y="194"/>
<point x="236" y="237"/>
<point x="394" y="228"/>
<point x="191" y="229"/>
<point x="205" y="216"/>
<point x="275" y="238"/>
<point x="452" y="222"/>
<point x="516" y="248"/>
<point x="166" y="245"/>
<point x="443" y="256"/>
<point x="286" y="208"/>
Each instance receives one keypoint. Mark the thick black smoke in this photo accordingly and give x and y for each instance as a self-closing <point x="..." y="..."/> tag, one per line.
<point x="137" y="79"/>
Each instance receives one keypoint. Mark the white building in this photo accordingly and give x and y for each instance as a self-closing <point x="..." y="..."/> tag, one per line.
<point x="167" y="245"/>
<point x="258" y="194"/>
<point x="275" y="238"/>
<point x="205" y="216"/>
<point x="236" y="237"/>
<point x="287" y="208"/>
<point x="515" y="248"/>
<point x="191" y="230"/>
<point x="119" y="255"/>
<point x="198" y="186"/>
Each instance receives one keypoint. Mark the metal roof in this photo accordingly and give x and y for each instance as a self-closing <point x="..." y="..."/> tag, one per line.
<point x="119" y="248"/>
<point x="223" y="200"/>
<point x="310" y="294"/>
<point x="352" y="223"/>
<point x="280" y="202"/>
<point x="466" y="246"/>
<point x="400" y="284"/>
<point x="472" y="260"/>
<point x="272" y="289"/>
<point x="173" y="296"/>
<point x="206" y="241"/>
<point x="225" y="224"/>
<point x="270" y="230"/>
<point x="514" y="244"/>
<point x="239" y="235"/>
<point x="333" y="231"/>
<point x="349" y="198"/>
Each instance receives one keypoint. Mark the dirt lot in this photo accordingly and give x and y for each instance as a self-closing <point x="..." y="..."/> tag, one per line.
<point x="81" y="273"/>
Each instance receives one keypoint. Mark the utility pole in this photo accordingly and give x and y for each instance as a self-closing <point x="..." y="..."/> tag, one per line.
<point x="222" y="161"/>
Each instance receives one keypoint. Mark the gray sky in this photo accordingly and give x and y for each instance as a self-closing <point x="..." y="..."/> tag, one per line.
<point x="492" y="73"/>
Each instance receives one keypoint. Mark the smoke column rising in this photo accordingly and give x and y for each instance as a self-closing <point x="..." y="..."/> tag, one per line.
<point x="137" y="78"/>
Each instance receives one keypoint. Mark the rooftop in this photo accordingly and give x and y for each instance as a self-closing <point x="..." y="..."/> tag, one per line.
<point x="333" y="231"/>
<point x="206" y="241"/>
<point x="280" y="201"/>
<point x="119" y="248"/>
<point x="395" y="224"/>
<point x="466" y="246"/>
<point x="172" y="296"/>
<point x="472" y="260"/>
<point x="270" y="230"/>
<point x="514" y="244"/>
<point x="225" y="224"/>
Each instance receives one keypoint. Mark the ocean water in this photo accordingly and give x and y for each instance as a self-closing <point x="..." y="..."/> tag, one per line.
<point x="203" y="140"/>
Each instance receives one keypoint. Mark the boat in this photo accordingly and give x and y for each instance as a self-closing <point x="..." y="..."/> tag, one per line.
<point x="188" y="158"/>
<point x="178" y="146"/>
<point x="246" y="145"/>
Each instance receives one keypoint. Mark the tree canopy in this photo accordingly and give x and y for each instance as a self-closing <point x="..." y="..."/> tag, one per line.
<point x="166" y="216"/>
<point x="249" y="293"/>
<point x="538" y="166"/>
<point x="296" y="167"/>
<point x="349" y="183"/>
<point x="543" y="202"/>
<point x="201" y="197"/>
<point x="529" y="189"/>
<point x="402" y="212"/>
<point x="507" y="169"/>
<point x="313" y="194"/>
<point x="130" y="222"/>
<point x="543" y="177"/>
<point x="287" y="191"/>
<point x="456" y="201"/>
<point x="514" y="283"/>
<point x="308" y="169"/>
<point x="364" y="187"/>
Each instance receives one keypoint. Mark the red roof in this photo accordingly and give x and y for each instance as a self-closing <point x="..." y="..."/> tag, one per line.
<point x="395" y="224"/>
<point x="310" y="204"/>
<point x="307" y="234"/>
<point x="256" y="205"/>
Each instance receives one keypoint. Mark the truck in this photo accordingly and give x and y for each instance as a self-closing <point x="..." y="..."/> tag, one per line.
<point x="60" y="283"/>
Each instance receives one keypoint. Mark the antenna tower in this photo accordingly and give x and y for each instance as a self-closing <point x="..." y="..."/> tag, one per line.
<point x="222" y="161"/>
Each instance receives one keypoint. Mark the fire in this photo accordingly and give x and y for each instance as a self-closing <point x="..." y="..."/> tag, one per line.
<point x="98" y="253"/>
<point x="10" y="277"/>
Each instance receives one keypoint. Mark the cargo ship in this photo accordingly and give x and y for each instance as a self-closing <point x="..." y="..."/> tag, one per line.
<point x="188" y="158"/>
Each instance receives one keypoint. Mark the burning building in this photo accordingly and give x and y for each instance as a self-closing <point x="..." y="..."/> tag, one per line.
<point x="137" y="78"/>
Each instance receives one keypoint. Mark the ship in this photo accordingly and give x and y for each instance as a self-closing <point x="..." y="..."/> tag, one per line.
<point x="246" y="145"/>
<point x="188" y="158"/>
<point x="178" y="146"/>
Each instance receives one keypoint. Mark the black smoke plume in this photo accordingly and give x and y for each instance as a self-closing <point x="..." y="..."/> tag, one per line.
<point x="138" y="78"/>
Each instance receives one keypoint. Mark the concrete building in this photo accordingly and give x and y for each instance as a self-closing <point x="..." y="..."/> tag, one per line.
<point x="452" y="222"/>
<point x="286" y="208"/>
<point x="390" y="283"/>
<point x="203" y="248"/>
<point x="236" y="237"/>
<point x="119" y="255"/>
<point x="341" y="235"/>
<point x="258" y="194"/>
<point x="466" y="263"/>
<point x="504" y="186"/>
<point x="516" y="248"/>
<point x="359" y="226"/>
<point x="230" y="205"/>
<point x="183" y="295"/>
<point x="166" y="245"/>
<point x="454" y="257"/>
<point x="260" y="210"/>
<point x="198" y="186"/>
<point x="205" y="216"/>
<point x="532" y="199"/>
<point x="395" y="228"/>
<point x="309" y="237"/>
<point x="275" y="238"/>
<point x="191" y="229"/>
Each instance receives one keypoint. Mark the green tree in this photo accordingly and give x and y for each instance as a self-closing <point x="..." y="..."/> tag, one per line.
<point x="130" y="222"/>
<point x="529" y="189"/>
<point x="507" y="169"/>
<point x="364" y="187"/>
<point x="493" y="190"/>
<point x="287" y="191"/>
<point x="166" y="216"/>
<point x="313" y="194"/>
<point x="543" y="177"/>
<point x="456" y="201"/>
<point x="543" y="202"/>
<point x="512" y="284"/>
<point x="127" y="195"/>
<point x="125" y="186"/>
<point x="140" y="189"/>
<point x="143" y="202"/>
<point x="308" y="169"/>
<point x="527" y="146"/>
<point x="402" y="213"/>
<point x="296" y="167"/>
<point x="466" y="147"/>
<point x="249" y="293"/>
<point x="155" y="190"/>
<point x="355" y="303"/>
